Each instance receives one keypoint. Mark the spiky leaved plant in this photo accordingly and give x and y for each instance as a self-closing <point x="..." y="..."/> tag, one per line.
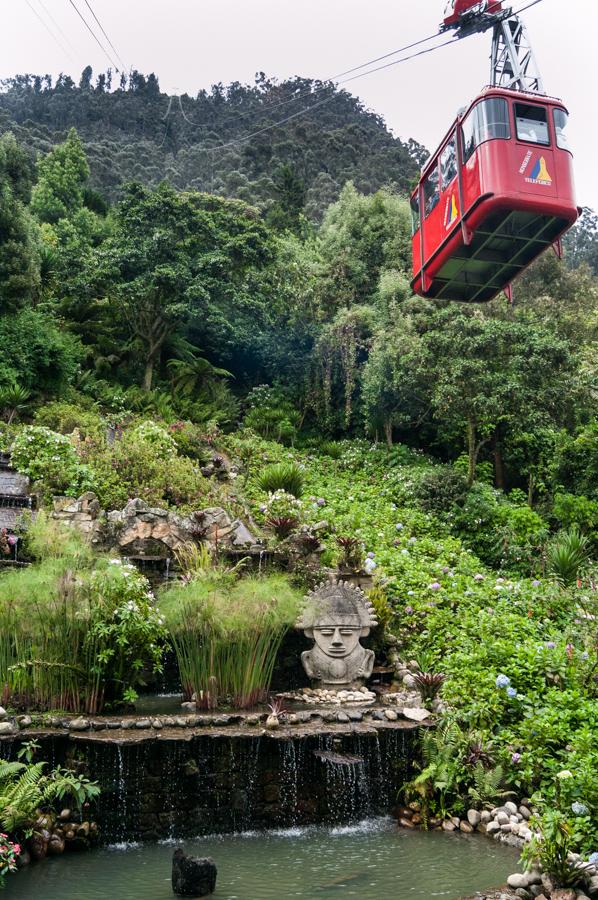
<point x="567" y="555"/>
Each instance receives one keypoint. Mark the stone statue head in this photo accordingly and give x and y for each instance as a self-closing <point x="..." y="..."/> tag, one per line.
<point x="335" y="617"/>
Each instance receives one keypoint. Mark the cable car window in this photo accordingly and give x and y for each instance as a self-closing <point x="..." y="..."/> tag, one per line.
<point x="448" y="163"/>
<point x="532" y="123"/>
<point x="560" y="123"/>
<point x="431" y="192"/>
<point x="487" y="121"/>
<point x="414" y="214"/>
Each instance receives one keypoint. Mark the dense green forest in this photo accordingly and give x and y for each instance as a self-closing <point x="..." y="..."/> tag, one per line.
<point x="133" y="131"/>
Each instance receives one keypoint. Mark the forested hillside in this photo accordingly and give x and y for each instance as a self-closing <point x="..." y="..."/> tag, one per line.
<point x="134" y="131"/>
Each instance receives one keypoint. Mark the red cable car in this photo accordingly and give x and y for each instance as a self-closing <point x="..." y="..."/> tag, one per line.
<point x="499" y="189"/>
<point x="497" y="193"/>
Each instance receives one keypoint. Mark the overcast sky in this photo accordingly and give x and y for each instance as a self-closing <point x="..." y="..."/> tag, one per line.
<point x="191" y="44"/>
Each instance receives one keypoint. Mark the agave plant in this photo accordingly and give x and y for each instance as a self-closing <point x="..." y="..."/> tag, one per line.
<point x="13" y="399"/>
<point x="568" y="555"/>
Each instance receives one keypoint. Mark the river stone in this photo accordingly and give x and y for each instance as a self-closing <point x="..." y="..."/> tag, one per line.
<point x="502" y="818"/>
<point x="466" y="827"/>
<point x="492" y="828"/>
<point x="79" y="724"/>
<point x="517" y="881"/>
<point x="511" y="807"/>
<point x="143" y="723"/>
<point x="193" y="876"/>
<point x="8" y="728"/>
<point x="473" y="817"/>
<point x="416" y="714"/>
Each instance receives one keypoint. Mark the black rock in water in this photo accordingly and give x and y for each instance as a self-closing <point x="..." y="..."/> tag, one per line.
<point x="193" y="876"/>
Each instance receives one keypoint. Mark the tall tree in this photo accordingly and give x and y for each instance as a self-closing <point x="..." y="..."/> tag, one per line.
<point x="177" y="260"/>
<point x="19" y="240"/>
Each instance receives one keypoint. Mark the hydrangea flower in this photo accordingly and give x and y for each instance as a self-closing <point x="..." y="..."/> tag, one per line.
<point x="478" y="577"/>
<point x="410" y="593"/>
<point x="371" y="554"/>
<point x="399" y="526"/>
<point x="434" y="586"/>
<point x="409" y="610"/>
<point x="369" y="565"/>
<point x="580" y="809"/>
<point x="511" y="692"/>
<point x="502" y="681"/>
<point x="535" y="583"/>
<point x="593" y="859"/>
<point x="320" y="501"/>
<point x="550" y="645"/>
<point x="515" y="758"/>
<point x="565" y="774"/>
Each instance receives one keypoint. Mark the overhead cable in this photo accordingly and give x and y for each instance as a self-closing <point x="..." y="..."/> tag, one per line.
<point x="49" y="30"/>
<point x="116" y="53"/>
<point x="93" y="34"/>
<point x="308" y="109"/>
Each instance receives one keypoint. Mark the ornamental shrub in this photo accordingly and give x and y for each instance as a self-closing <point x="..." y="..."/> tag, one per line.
<point x="66" y="417"/>
<point x="269" y="414"/>
<point x="285" y="476"/>
<point x="46" y="456"/>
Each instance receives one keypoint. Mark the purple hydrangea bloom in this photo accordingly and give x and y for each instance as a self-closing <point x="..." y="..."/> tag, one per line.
<point x="550" y="645"/>
<point x="511" y="692"/>
<point x="321" y="502"/>
<point x="409" y="610"/>
<point x="515" y="758"/>
<point x="535" y="583"/>
<point x="593" y="859"/>
<point x="434" y="586"/>
<point x="371" y="554"/>
<point x="502" y="681"/>
<point x="399" y="526"/>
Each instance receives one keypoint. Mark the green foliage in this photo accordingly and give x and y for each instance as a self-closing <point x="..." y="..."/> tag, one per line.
<point x="65" y="418"/>
<point x="568" y="555"/>
<point x="226" y="637"/>
<point x="271" y="415"/>
<point x="286" y="476"/>
<point x="62" y="176"/>
<point x="36" y="353"/>
<point x="19" y="257"/>
<point x="26" y="789"/>
<point x="46" y="456"/>
<point x="75" y="642"/>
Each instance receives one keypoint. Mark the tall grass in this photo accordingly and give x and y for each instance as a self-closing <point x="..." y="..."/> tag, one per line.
<point x="42" y="631"/>
<point x="226" y="637"/>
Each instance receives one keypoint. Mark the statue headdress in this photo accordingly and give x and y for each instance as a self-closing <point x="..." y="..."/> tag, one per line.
<point x="337" y="603"/>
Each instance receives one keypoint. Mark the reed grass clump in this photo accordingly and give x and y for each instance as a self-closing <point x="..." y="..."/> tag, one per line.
<point x="75" y="632"/>
<point x="227" y="636"/>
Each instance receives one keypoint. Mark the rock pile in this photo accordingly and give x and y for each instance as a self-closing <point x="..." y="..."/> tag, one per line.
<point x="314" y="696"/>
<point x="507" y="823"/>
<point x="52" y="835"/>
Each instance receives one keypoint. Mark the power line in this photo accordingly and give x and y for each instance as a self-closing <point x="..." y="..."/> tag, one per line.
<point x="56" y="25"/>
<point x="49" y="30"/>
<point x="307" y="109"/>
<point x="325" y="86"/>
<point x="94" y="36"/>
<point x="117" y="54"/>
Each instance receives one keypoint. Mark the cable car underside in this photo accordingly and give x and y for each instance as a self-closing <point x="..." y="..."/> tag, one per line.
<point x="507" y="242"/>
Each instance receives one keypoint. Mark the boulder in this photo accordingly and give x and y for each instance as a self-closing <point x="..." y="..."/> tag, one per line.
<point x="193" y="876"/>
<point x="474" y="817"/>
<point x="517" y="881"/>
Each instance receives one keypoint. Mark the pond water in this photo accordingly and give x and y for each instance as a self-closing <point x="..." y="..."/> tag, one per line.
<point x="368" y="860"/>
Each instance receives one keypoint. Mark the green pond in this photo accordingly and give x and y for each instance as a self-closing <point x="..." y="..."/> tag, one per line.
<point x="370" y="860"/>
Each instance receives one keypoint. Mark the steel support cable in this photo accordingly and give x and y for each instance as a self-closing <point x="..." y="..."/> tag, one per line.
<point x="49" y="30"/>
<point x="101" y="27"/>
<point x="308" y="109"/>
<point x="93" y="34"/>
<point x="57" y="25"/>
<point x="309" y="93"/>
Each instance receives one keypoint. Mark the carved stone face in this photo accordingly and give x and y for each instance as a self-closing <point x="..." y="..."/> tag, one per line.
<point x="337" y="640"/>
